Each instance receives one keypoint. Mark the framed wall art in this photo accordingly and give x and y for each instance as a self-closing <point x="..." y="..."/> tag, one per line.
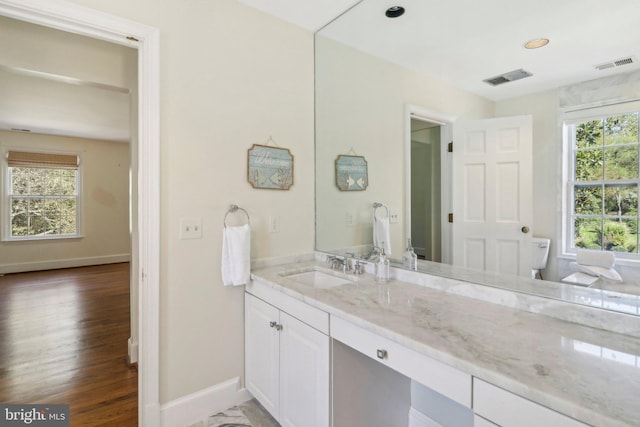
<point x="351" y="173"/>
<point x="270" y="167"/>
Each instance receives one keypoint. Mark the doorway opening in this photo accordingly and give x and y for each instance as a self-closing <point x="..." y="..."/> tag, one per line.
<point x="428" y="183"/>
<point x="426" y="199"/>
<point x="81" y="20"/>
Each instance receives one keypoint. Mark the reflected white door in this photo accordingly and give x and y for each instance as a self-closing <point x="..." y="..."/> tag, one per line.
<point x="492" y="195"/>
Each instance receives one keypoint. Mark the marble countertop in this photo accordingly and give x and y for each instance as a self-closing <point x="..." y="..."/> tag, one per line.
<point x="587" y="373"/>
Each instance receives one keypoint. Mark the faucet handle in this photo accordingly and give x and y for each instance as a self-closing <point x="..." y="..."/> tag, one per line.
<point x="333" y="261"/>
<point x="346" y="265"/>
<point x="358" y="267"/>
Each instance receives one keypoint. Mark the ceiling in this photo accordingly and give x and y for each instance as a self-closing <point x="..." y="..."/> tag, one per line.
<point x="460" y="42"/>
<point x="463" y="42"/>
<point x="58" y="83"/>
<point x="309" y="14"/>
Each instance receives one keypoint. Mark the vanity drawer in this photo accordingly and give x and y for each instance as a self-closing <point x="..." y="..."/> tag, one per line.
<point x="438" y="376"/>
<point x="312" y="316"/>
<point x="507" y="409"/>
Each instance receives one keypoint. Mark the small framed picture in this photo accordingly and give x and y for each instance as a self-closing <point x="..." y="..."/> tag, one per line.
<point x="270" y="167"/>
<point x="351" y="173"/>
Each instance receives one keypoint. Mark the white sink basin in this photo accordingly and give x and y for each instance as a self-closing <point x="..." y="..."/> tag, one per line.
<point x="319" y="279"/>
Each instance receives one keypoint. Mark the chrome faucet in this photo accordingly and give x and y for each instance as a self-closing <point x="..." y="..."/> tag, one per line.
<point x="346" y="264"/>
<point x="374" y="251"/>
<point x="358" y="267"/>
<point x="334" y="262"/>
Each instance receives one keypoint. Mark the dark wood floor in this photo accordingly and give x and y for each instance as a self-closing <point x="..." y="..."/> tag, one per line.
<point x="63" y="339"/>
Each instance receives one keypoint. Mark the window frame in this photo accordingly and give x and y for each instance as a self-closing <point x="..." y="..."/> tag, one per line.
<point x="568" y="120"/>
<point x="5" y="212"/>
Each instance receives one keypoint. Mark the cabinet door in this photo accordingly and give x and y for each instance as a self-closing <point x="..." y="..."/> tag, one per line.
<point x="262" y="353"/>
<point x="304" y="375"/>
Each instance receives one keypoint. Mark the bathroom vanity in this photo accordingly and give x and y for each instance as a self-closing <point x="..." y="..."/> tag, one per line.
<point x="325" y="348"/>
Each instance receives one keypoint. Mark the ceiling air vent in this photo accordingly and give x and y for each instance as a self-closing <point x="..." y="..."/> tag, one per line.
<point x="617" y="63"/>
<point x="508" y="77"/>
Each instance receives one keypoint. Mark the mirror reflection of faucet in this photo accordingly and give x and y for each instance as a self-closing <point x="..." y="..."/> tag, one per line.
<point x="348" y="263"/>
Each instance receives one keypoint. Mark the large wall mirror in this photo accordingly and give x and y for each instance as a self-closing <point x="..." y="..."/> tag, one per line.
<point x="392" y="90"/>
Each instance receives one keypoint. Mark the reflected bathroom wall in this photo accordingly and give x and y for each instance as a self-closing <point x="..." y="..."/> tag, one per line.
<point x="360" y="109"/>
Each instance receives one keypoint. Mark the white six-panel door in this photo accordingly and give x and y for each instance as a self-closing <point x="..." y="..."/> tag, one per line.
<point x="492" y="195"/>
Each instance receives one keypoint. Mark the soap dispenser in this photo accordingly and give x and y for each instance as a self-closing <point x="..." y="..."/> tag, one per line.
<point x="382" y="267"/>
<point x="410" y="259"/>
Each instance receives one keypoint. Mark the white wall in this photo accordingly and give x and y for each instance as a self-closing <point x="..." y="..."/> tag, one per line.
<point x="105" y="207"/>
<point x="361" y="106"/>
<point x="230" y="77"/>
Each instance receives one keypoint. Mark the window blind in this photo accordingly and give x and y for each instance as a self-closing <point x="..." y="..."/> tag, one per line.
<point x="25" y="159"/>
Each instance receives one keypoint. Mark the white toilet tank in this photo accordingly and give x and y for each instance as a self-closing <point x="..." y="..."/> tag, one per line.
<point x="540" y="248"/>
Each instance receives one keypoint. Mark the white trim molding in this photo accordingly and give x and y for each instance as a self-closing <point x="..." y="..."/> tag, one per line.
<point x="71" y="17"/>
<point x="200" y="405"/>
<point x="62" y="263"/>
<point x="132" y="351"/>
<point x="418" y="419"/>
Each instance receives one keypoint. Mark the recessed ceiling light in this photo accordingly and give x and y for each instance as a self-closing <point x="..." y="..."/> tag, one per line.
<point x="394" y="11"/>
<point x="536" y="43"/>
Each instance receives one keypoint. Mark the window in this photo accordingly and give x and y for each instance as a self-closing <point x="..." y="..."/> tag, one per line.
<point x="603" y="179"/>
<point x="42" y="196"/>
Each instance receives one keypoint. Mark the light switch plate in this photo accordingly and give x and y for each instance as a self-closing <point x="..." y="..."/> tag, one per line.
<point x="274" y="224"/>
<point x="350" y="219"/>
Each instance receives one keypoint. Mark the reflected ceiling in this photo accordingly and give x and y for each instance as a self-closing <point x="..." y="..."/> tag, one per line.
<point x="463" y="42"/>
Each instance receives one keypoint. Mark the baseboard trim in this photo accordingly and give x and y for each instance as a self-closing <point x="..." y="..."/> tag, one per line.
<point x="63" y="263"/>
<point x="200" y="405"/>
<point x="418" y="419"/>
<point x="132" y="351"/>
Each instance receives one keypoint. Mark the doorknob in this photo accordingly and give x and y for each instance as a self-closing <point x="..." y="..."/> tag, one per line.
<point x="525" y="229"/>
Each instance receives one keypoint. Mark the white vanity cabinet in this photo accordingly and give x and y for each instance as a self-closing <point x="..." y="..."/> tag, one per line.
<point x="286" y="359"/>
<point x="506" y="409"/>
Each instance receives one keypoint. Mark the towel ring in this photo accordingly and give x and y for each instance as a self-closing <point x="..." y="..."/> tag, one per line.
<point x="233" y="209"/>
<point x="377" y="205"/>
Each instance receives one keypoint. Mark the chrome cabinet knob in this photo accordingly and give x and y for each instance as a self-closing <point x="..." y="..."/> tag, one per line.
<point x="382" y="354"/>
<point x="275" y="325"/>
<point x="525" y="229"/>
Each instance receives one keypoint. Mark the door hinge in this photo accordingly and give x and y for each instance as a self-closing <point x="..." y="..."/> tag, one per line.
<point x="450" y="217"/>
<point x="450" y="147"/>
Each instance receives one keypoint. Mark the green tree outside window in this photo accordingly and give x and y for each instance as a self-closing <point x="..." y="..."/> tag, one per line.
<point x="606" y="182"/>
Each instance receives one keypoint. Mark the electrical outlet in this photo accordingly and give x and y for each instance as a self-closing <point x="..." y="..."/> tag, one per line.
<point x="274" y="224"/>
<point x="394" y="218"/>
<point x="190" y="228"/>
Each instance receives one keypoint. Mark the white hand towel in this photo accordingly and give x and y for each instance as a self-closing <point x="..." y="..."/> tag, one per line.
<point x="598" y="258"/>
<point x="381" y="234"/>
<point x="236" y="255"/>
<point x="597" y="271"/>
